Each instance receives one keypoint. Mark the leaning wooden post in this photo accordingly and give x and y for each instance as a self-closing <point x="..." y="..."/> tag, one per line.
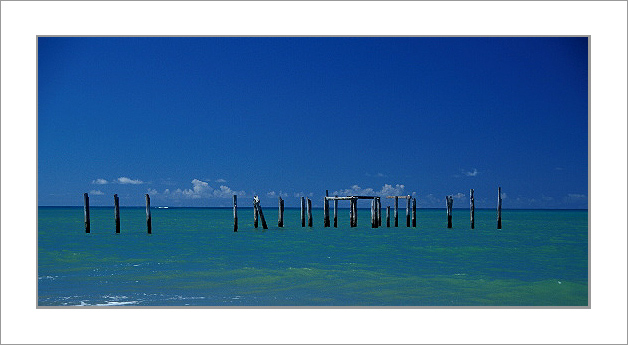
<point x="235" y="213"/>
<point x="86" y="212"/>
<point x="261" y="214"/>
<point x="450" y="203"/>
<point x="255" y="212"/>
<point x="388" y="216"/>
<point x="408" y="211"/>
<point x="414" y="212"/>
<point x="149" y="226"/>
<point x="280" y="221"/>
<point x="336" y="212"/>
<point x="116" y="212"/>
<point x="309" y="212"/>
<point x="499" y="207"/>
<point x="472" y="202"/>
<point x="302" y="212"/>
<point x="396" y="210"/>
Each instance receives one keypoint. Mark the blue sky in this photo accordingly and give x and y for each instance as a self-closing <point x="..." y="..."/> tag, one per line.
<point x="193" y="121"/>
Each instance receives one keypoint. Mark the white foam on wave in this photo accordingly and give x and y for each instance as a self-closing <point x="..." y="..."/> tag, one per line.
<point x="114" y="303"/>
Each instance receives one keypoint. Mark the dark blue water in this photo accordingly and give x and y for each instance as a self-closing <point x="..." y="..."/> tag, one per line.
<point x="193" y="257"/>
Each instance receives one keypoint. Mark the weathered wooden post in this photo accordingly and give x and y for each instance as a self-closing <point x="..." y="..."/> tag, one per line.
<point x="408" y="211"/>
<point x="255" y="212"/>
<point x="235" y="213"/>
<point x="280" y="221"/>
<point x="396" y="210"/>
<point x="373" y="219"/>
<point x="261" y="213"/>
<point x="472" y="202"/>
<point x="336" y="212"/>
<point x="309" y="212"/>
<point x="414" y="212"/>
<point x="86" y="212"/>
<point x="499" y="207"/>
<point x="450" y="203"/>
<point x="302" y="212"/>
<point x="388" y="216"/>
<point x="355" y="212"/>
<point x="379" y="212"/>
<point x="149" y="226"/>
<point x="116" y="212"/>
<point x="325" y="212"/>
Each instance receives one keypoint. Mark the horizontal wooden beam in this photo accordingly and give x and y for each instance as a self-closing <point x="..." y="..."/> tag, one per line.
<point x="400" y="197"/>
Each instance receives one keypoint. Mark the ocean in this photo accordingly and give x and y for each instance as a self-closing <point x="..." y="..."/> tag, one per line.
<point x="193" y="258"/>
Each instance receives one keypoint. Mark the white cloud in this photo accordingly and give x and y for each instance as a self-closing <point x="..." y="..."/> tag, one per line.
<point x="283" y="195"/>
<point x="152" y="191"/>
<point x="459" y="196"/>
<point x="126" y="180"/>
<point x="471" y="173"/>
<point x="386" y="190"/>
<point x="96" y="192"/>
<point x="226" y="192"/>
<point x="99" y="181"/>
<point x="221" y="180"/>
<point x="271" y="193"/>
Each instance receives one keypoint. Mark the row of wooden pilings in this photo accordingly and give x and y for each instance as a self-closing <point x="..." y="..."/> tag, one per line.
<point x="376" y="211"/>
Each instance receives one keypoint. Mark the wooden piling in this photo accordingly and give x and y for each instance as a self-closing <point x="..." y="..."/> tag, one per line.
<point x="472" y="206"/>
<point x="408" y="211"/>
<point x="355" y="212"/>
<point x="388" y="216"/>
<point x="373" y="219"/>
<point x="396" y="211"/>
<point x="336" y="212"/>
<point x="235" y="213"/>
<point x="116" y="212"/>
<point x="261" y="213"/>
<point x="379" y="212"/>
<point x="450" y="203"/>
<point x="255" y="213"/>
<point x="499" y="207"/>
<point x="280" y="221"/>
<point x="149" y="226"/>
<point x="325" y="212"/>
<point x="302" y="212"/>
<point x="86" y="212"/>
<point x="414" y="212"/>
<point x="309" y="212"/>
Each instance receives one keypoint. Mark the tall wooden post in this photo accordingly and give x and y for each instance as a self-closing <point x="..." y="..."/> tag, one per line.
<point x="280" y="221"/>
<point x="302" y="212"/>
<point x="116" y="212"/>
<point x="499" y="207"/>
<point x="472" y="205"/>
<point x="351" y="212"/>
<point x="86" y="212"/>
<point x="261" y="213"/>
<point x="396" y="211"/>
<point x="373" y="220"/>
<point x="379" y="212"/>
<point x="235" y="213"/>
<point x="388" y="216"/>
<point x="414" y="212"/>
<point x="309" y="212"/>
<point x="355" y="212"/>
<point x="255" y="212"/>
<point x="149" y="226"/>
<point x="336" y="212"/>
<point x="325" y="212"/>
<point x="450" y="203"/>
<point x="408" y="211"/>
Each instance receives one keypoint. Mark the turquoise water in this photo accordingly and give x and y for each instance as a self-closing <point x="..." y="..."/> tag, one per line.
<point x="193" y="257"/>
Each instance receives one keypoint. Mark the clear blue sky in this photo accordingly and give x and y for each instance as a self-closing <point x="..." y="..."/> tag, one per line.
<point x="193" y="121"/>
